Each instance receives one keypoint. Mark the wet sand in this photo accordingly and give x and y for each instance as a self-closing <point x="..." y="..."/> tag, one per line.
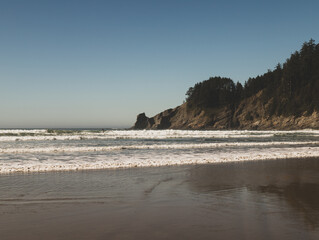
<point x="273" y="199"/>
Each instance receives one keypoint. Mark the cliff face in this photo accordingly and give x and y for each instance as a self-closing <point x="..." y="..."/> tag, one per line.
<point x="251" y="113"/>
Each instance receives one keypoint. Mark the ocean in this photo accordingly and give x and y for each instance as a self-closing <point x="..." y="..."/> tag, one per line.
<point x="41" y="150"/>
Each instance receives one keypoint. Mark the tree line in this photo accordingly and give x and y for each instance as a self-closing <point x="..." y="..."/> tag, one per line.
<point x="291" y="88"/>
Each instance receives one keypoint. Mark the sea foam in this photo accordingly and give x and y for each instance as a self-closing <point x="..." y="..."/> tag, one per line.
<point x="33" y="150"/>
<point x="159" y="159"/>
<point x="46" y="135"/>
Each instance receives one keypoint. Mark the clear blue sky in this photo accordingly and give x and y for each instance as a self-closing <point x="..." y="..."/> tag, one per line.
<point x="76" y="63"/>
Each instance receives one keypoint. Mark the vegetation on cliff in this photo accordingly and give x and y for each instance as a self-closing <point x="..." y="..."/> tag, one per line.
<point x="292" y="88"/>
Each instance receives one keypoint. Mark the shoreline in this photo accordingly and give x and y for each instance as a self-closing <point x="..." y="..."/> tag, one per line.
<point x="142" y="165"/>
<point x="157" y="166"/>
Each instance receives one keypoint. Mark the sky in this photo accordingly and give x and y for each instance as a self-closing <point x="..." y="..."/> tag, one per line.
<point x="97" y="64"/>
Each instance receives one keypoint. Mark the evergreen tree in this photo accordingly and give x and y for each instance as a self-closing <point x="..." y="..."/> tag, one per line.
<point x="292" y="88"/>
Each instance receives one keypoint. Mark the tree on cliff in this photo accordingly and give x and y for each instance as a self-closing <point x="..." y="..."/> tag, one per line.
<point x="292" y="88"/>
<point x="211" y="93"/>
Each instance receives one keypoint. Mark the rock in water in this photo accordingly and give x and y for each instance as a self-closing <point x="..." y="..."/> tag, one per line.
<point x="143" y="122"/>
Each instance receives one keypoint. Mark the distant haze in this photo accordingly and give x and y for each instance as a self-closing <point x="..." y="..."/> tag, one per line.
<point x="100" y="63"/>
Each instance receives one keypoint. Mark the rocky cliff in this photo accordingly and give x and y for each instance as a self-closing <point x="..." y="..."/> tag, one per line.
<point x="251" y="113"/>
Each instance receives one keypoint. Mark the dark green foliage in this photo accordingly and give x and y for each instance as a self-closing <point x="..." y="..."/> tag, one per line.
<point x="296" y="88"/>
<point x="290" y="89"/>
<point x="214" y="92"/>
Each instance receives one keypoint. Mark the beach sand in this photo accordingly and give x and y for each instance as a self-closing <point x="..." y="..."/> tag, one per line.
<point x="273" y="199"/>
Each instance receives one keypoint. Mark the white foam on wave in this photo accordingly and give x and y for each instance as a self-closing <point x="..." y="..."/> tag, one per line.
<point x="44" y="135"/>
<point x="37" y="156"/>
<point x="23" y="131"/>
<point x="62" y="149"/>
<point x="159" y="159"/>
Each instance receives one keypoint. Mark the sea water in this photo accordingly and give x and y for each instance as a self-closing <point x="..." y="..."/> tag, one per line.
<point x="37" y="150"/>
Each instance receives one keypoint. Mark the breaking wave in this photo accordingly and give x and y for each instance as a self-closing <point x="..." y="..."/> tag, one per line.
<point x="48" y="135"/>
<point x="62" y="149"/>
<point x="159" y="159"/>
<point x="37" y="150"/>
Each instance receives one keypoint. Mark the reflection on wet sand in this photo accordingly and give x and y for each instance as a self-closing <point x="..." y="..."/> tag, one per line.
<point x="293" y="181"/>
<point x="303" y="198"/>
